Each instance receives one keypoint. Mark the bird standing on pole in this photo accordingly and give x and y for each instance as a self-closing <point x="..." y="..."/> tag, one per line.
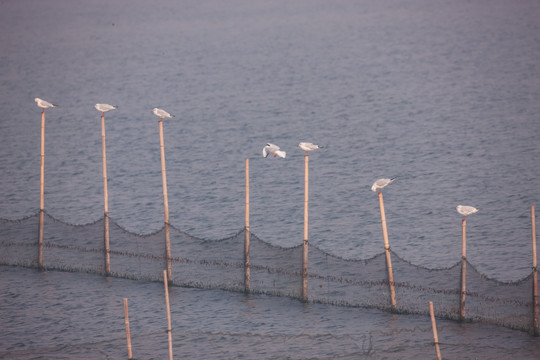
<point x="307" y="147"/>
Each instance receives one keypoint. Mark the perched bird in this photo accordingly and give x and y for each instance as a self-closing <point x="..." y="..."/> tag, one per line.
<point x="273" y="149"/>
<point x="466" y="210"/>
<point x="44" y="104"/>
<point x="105" y="107"/>
<point x="381" y="183"/>
<point x="307" y="147"/>
<point x="161" y="113"/>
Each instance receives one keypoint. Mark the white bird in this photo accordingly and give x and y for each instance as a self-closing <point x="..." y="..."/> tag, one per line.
<point x="307" y="147"/>
<point x="44" y="104"/>
<point x="105" y="107"/>
<point x="161" y="113"/>
<point x="273" y="149"/>
<point x="381" y="183"/>
<point x="466" y="210"/>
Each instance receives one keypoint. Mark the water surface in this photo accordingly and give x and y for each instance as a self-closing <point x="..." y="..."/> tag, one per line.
<point x="443" y="95"/>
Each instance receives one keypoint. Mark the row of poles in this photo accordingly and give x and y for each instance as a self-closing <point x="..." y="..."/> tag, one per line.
<point x="169" y="327"/>
<point x="377" y="187"/>
<point x="103" y="108"/>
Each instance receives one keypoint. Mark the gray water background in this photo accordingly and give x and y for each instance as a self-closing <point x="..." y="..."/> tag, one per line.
<point x="213" y="324"/>
<point x="443" y="95"/>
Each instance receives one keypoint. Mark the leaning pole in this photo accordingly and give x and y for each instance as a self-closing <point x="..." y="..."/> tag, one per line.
<point x="165" y="202"/>
<point x="377" y="187"/>
<point x="387" y="254"/>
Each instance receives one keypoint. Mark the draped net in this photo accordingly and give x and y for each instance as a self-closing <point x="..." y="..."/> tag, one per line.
<point x="274" y="270"/>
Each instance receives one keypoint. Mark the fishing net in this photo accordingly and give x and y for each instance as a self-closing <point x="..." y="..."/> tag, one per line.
<point x="274" y="270"/>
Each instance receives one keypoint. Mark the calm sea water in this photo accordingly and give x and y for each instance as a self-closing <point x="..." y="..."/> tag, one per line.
<point x="56" y="315"/>
<point x="442" y="94"/>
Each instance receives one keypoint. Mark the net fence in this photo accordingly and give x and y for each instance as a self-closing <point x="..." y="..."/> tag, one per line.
<point x="274" y="270"/>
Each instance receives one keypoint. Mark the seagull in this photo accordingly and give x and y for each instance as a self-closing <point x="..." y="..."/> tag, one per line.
<point x="381" y="183"/>
<point x="466" y="210"/>
<point x="161" y="113"/>
<point x="273" y="149"/>
<point x="44" y="104"/>
<point x="105" y="107"/>
<point x="307" y="147"/>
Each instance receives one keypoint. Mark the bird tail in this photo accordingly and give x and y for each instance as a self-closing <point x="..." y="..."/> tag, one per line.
<point x="281" y="153"/>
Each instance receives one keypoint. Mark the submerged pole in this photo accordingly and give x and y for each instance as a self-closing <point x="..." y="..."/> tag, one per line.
<point x="247" y="271"/>
<point x="167" y="304"/>
<point x="434" y="327"/>
<point x="536" y="331"/>
<point x="387" y="253"/>
<point x="128" y="332"/>
<point x="165" y="202"/>
<point x="463" y="268"/>
<point x="305" y="244"/>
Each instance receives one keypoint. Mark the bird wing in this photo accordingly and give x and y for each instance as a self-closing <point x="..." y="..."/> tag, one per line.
<point x="161" y="113"/>
<point x="270" y="148"/>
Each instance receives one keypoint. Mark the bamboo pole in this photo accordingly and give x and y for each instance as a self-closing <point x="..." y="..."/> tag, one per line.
<point x="128" y="333"/>
<point x="434" y="326"/>
<point x="42" y="192"/>
<point x="105" y="198"/>
<point x="169" y="331"/>
<point x="536" y="331"/>
<point x="40" y="240"/>
<point x="247" y="270"/>
<point x="305" y="245"/>
<point x="463" y="268"/>
<point x="104" y="153"/>
<point x="387" y="253"/>
<point x="106" y="236"/>
<point x="42" y="178"/>
<point x="165" y="202"/>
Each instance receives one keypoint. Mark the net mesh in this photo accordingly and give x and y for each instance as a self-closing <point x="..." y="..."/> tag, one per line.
<point x="274" y="270"/>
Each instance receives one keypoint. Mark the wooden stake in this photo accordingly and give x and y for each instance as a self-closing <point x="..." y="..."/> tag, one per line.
<point x="42" y="192"/>
<point x="169" y="331"/>
<point x="40" y="240"/>
<point x="165" y="202"/>
<point x="387" y="253"/>
<point x="104" y="153"/>
<point x="305" y="242"/>
<point x="463" y="268"/>
<point x="128" y="333"/>
<point x="247" y="271"/>
<point x="536" y="331"/>
<point x="106" y="198"/>
<point x="107" y="248"/>
<point x="434" y="326"/>
<point x="42" y="178"/>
